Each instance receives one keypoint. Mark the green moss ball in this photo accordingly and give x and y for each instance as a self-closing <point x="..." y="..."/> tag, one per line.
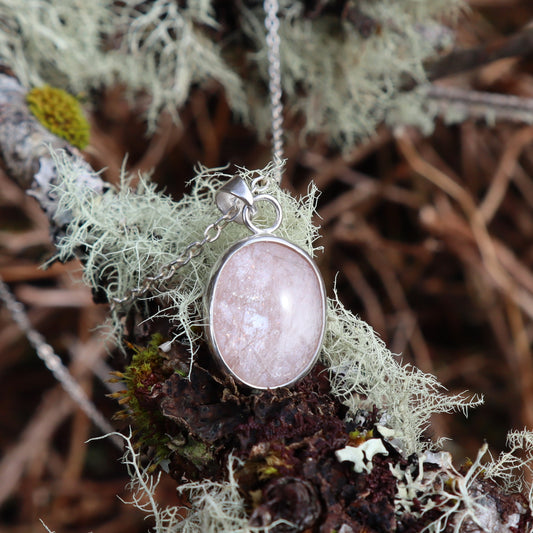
<point x="60" y="113"/>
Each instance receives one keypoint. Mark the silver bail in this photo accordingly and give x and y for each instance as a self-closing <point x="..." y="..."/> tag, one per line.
<point x="235" y="193"/>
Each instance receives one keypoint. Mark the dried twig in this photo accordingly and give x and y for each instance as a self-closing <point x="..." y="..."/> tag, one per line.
<point x="457" y="102"/>
<point x="520" y="44"/>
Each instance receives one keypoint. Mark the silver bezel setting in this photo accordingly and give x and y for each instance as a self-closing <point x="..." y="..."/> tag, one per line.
<point x="208" y="305"/>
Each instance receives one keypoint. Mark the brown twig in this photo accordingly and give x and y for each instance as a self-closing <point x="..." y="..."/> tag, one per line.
<point x="476" y="104"/>
<point x="458" y="193"/>
<point x="520" y="44"/>
<point x="54" y="408"/>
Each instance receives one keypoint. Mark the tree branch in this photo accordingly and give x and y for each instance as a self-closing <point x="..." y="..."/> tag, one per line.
<point x="520" y="44"/>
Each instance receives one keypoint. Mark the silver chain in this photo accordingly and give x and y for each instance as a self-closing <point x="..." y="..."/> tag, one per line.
<point x="52" y="361"/>
<point x="212" y="232"/>
<point x="167" y="271"/>
<point x="272" y="25"/>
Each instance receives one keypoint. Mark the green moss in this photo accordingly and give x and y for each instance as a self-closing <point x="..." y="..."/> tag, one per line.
<point x="359" y="437"/>
<point x="196" y="452"/>
<point x="143" y="363"/>
<point x="138" y="378"/>
<point x="268" y="472"/>
<point x="149" y="366"/>
<point x="60" y="113"/>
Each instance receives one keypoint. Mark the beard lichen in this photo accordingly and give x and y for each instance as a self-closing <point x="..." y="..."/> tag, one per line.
<point x="343" y="70"/>
<point x="212" y="506"/>
<point x="126" y="234"/>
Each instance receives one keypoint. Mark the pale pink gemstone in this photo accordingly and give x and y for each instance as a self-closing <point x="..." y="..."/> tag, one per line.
<point x="268" y="313"/>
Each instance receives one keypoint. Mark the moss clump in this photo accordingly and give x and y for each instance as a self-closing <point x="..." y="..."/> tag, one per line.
<point x="144" y="380"/>
<point x="60" y="113"/>
<point x="138" y="378"/>
<point x="139" y="374"/>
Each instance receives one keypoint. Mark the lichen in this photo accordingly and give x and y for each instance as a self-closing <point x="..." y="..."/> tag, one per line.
<point x="342" y="82"/>
<point x="364" y="373"/>
<point x="440" y="487"/>
<point x="128" y="234"/>
<point x="160" y="48"/>
<point x="170" y="519"/>
<point x="430" y="493"/>
<point x="58" y="42"/>
<point x="60" y="113"/>
<point x="361" y="456"/>
<point x="464" y="499"/>
<point x="212" y="506"/>
<point x="173" y="52"/>
<point x="509" y="468"/>
<point x="345" y="82"/>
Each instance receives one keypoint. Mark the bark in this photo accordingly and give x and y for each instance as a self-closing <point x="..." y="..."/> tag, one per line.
<point x="25" y="150"/>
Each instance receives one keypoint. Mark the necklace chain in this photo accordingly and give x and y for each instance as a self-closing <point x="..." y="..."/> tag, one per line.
<point x="213" y="231"/>
<point x="52" y="360"/>
<point x="211" y="234"/>
<point x="272" y="24"/>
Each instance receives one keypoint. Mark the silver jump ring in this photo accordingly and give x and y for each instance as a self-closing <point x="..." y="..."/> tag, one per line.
<point x="248" y="213"/>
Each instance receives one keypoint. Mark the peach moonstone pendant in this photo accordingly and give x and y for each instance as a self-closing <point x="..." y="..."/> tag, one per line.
<point x="265" y="308"/>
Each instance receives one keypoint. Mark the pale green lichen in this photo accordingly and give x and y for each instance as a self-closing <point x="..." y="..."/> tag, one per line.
<point x="129" y="234"/>
<point x="434" y="484"/>
<point x="341" y="82"/>
<point x="173" y="53"/>
<point x="218" y="506"/>
<point x="509" y="467"/>
<point x="126" y="235"/>
<point x="345" y="84"/>
<point x="362" y="367"/>
<point x="213" y="507"/>
<point x="59" y="42"/>
<point x="441" y="487"/>
<point x="157" y="49"/>
<point x="430" y="485"/>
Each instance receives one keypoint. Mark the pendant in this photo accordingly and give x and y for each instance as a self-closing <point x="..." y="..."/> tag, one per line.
<point x="265" y="307"/>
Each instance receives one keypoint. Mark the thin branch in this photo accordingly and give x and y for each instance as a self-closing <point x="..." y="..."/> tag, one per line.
<point x="477" y="104"/>
<point x="25" y="149"/>
<point x="53" y="410"/>
<point x="520" y="44"/>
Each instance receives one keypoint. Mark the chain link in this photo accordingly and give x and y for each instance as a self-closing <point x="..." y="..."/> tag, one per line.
<point x="53" y="361"/>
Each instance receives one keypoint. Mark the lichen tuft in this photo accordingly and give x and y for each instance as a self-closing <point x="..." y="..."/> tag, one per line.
<point x="341" y="83"/>
<point x="60" y="113"/>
